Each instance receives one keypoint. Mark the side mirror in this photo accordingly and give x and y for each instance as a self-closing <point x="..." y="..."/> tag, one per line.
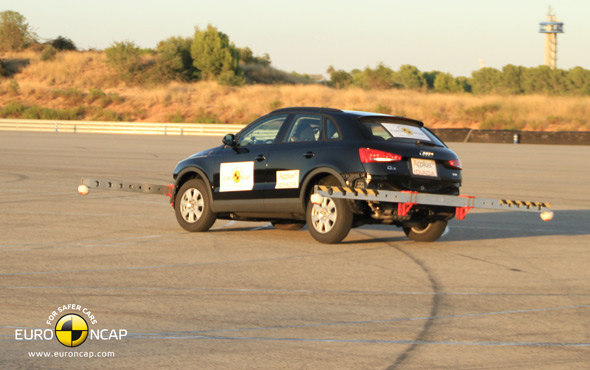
<point x="229" y="139"/>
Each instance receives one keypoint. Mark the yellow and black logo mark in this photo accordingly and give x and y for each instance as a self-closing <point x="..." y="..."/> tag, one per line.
<point x="407" y="131"/>
<point x="237" y="175"/>
<point x="71" y="330"/>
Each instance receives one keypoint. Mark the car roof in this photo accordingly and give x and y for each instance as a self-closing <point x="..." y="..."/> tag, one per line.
<point x="356" y="114"/>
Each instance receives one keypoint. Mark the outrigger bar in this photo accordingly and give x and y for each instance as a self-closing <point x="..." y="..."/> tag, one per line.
<point x="407" y="199"/>
<point x="88" y="183"/>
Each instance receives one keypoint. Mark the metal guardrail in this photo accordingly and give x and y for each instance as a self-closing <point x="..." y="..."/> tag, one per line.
<point x="209" y="129"/>
<point x="140" y="128"/>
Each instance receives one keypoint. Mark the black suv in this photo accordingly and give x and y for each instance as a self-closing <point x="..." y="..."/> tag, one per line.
<point x="267" y="172"/>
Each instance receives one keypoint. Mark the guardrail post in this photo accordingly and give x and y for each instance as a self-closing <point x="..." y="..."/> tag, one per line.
<point x="74" y="129"/>
<point x="56" y="127"/>
<point x="181" y="131"/>
<point x="165" y="130"/>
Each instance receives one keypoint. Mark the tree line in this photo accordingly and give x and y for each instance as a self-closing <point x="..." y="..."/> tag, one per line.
<point x="510" y="79"/>
<point x="210" y="55"/>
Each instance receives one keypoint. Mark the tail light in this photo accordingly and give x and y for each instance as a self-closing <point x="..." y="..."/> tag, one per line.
<point x="368" y="155"/>
<point x="455" y="163"/>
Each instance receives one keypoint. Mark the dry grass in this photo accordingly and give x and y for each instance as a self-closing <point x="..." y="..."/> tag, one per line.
<point x="208" y="101"/>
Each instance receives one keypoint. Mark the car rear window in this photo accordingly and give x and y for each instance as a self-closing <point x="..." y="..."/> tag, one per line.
<point x="387" y="129"/>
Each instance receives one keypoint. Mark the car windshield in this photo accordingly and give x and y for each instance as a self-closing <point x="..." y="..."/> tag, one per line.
<point x="387" y="129"/>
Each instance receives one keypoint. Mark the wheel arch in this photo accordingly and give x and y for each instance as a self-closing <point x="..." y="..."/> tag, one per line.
<point x="313" y="177"/>
<point x="189" y="173"/>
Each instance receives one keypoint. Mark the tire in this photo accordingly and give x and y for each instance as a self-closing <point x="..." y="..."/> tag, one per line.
<point x="193" y="206"/>
<point x="288" y="226"/>
<point x="330" y="221"/>
<point x="430" y="232"/>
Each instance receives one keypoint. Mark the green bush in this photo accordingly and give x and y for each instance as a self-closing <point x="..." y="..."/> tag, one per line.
<point x="204" y="117"/>
<point x="48" y="53"/>
<point x="174" y="59"/>
<point x="339" y="79"/>
<point x="63" y="43"/>
<point x="17" y="110"/>
<point x="177" y="117"/>
<point x="256" y="73"/>
<point x="72" y="95"/>
<point x="124" y="57"/>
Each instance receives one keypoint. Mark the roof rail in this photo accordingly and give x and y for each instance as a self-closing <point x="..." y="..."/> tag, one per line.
<point x="308" y="109"/>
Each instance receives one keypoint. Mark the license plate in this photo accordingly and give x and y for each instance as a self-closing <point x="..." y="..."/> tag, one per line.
<point x="424" y="167"/>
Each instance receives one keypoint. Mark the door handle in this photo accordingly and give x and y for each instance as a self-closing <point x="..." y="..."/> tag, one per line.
<point x="309" y="155"/>
<point x="260" y="157"/>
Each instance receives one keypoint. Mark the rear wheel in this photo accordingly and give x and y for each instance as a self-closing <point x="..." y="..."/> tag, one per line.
<point x="330" y="221"/>
<point x="428" y="232"/>
<point x="193" y="207"/>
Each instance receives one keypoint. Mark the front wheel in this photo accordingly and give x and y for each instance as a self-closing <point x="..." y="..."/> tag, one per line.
<point x="428" y="232"/>
<point x="330" y="221"/>
<point x="193" y="207"/>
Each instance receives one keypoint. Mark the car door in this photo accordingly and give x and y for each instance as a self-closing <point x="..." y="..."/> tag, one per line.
<point x="242" y="171"/>
<point x="291" y="160"/>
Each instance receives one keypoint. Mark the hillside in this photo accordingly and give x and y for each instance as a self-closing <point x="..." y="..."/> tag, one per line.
<point x="80" y="85"/>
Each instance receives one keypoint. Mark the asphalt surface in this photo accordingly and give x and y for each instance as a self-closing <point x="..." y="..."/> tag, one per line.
<point x="499" y="290"/>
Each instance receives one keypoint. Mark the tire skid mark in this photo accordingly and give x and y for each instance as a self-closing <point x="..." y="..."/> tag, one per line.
<point x="434" y="308"/>
<point x="18" y="176"/>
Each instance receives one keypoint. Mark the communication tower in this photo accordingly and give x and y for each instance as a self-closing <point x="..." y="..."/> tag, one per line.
<point x="551" y="28"/>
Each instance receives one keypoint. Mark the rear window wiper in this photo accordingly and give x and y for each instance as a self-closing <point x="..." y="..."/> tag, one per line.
<point x="425" y="143"/>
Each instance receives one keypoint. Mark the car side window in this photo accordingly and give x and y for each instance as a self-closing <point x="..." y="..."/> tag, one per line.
<point x="332" y="132"/>
<point x="305" y="127"/>
<point x="264" y="132"/>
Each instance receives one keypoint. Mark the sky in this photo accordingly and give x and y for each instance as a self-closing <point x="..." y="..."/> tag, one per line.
<point x="308" y="36"/>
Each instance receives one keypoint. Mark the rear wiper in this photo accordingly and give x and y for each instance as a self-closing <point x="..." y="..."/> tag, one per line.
<point x="425" y="143"/>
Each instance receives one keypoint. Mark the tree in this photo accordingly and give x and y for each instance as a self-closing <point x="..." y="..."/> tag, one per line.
<point x="537" y="80"/>
<point x="174" y="59"/>
<point x="382" y="77"/>
<point x="338" y="78"/>
<point x="511" y="79"/>
<point x="215" y="57"/>
<point x="445" y="82"/>
<point x="246" y="55"/>
<point x="63" y="43"/>
<point x="15" y="33"/>
<point x="486" y="80"/>
<point x="410" y="77"/>
<point x="579" y="80"/>
<point x="429" y="78"/>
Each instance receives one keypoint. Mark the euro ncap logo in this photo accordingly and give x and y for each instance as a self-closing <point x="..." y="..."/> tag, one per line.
<point x="407" y="131"/>
<point x="237" y="175"/>
<point x="71" y="330"/>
